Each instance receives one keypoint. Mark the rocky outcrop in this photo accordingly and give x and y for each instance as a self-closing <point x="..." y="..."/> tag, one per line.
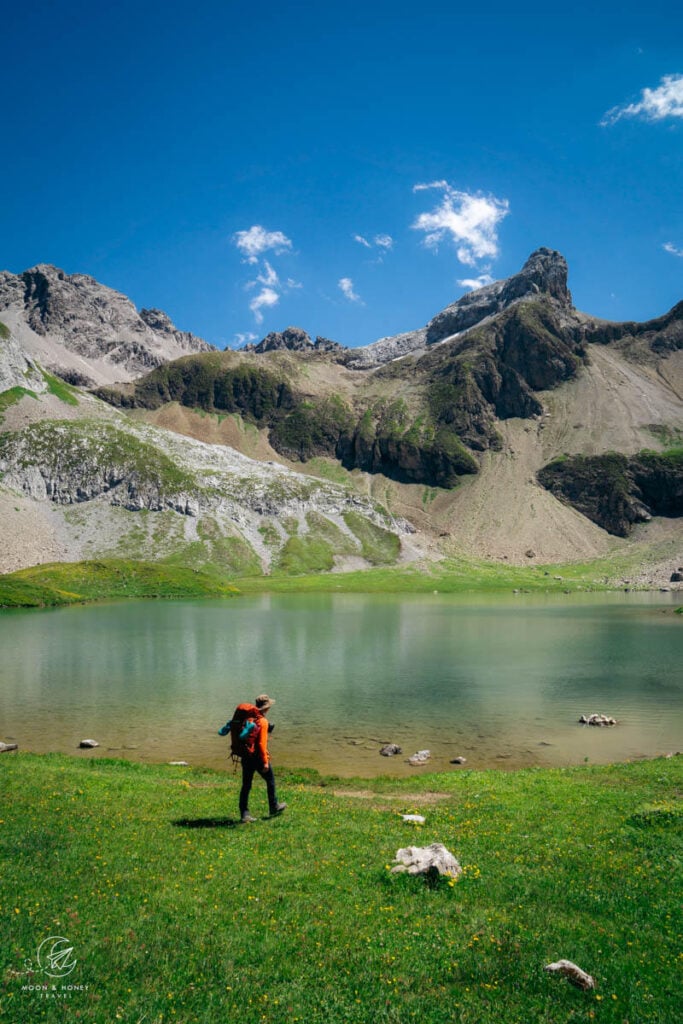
<point x="544" y="273"/>
<point x="293" y="339"/>
<point x="618" y="491"/>
<point x="660" y="336"/>
<point x="73" y="462"/>
<point x="17" y="369"/>
<point x="386" y="350"/>
<point x="226" y="505"/>
<point x="93" y="322"/>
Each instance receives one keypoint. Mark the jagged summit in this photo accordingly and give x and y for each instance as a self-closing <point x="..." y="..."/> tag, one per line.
<point x="85" y="331"/>
<point x="294" y="339"/>
<point x="544" y="273"/>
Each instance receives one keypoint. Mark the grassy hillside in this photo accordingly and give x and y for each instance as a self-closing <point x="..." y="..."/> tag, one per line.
<point x="74" y="582"/>
<point x="62" y="583"/>
<point x="177" y="913"/>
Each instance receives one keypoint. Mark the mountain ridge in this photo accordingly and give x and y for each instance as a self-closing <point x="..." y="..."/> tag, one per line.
<point x="448" y="440"/>
<point x="86" y="332"/>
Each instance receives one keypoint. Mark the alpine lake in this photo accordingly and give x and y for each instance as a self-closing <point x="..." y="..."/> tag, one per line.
<point x="501" y="681"/>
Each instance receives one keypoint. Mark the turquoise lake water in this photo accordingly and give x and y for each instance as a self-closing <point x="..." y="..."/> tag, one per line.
<point x="501" y="681"/>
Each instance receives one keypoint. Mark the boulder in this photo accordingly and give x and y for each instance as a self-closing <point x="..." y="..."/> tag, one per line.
<point x="459" y="760"/>
<point x="390" y="749"/>
<point x="4" y="747"/>
<point x="426" y="860"/>
<point x="421" y="757"/>
<point x="88" y="744"/>
<point x="572" y="973"/>
<point x="599" y="720"/>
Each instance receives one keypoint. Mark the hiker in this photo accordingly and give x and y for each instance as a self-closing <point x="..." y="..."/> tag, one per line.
<point x="256" y="759"/>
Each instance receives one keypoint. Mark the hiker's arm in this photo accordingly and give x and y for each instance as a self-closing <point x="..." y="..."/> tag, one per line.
<point x="263" y="742"/>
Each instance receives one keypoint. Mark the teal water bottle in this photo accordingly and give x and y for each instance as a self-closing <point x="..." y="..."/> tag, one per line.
<point x="247" y="730"/>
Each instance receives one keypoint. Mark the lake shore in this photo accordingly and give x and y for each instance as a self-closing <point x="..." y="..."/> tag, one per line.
<point x="63" y="583"/>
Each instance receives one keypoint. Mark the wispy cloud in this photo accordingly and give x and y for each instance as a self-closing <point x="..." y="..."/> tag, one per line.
<point x="654" y="104"/>
<point x="257" y="240"/>
<point x="469" y="220"/>
<point x="673" y="249"/>
<point x="382" y="241"/>
<point x="267" y="297"/>
<point x="253" y="244"/>
<point x="268" y="277"/>
<point x="473" y="283"/>
<point x="243" y="338"/>
<point x="346" y="287"/>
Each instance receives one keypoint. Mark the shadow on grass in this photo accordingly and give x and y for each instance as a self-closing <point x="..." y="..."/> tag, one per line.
<point x="207" y="822"/>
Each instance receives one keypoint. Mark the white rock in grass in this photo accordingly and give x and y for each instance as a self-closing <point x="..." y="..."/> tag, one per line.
<point x="425" y="860"/>
<point x="572" y="973"/>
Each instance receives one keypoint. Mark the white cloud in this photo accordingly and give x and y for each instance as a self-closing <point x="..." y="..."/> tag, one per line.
<point x="470" y="220"/>
<point x="383" y="241"/>
<point x="268" y="278"/>
<point x="431" y="184"/>
<point x="266" y="297"/>
<point x="654" y="104"/>
<point x="257" y="240"/>
<point x="346" y="286"/>
<point x="253" y="244"/>
<point x="472" y="283"/>
<point x="242" y="338"/>
<point x="674" y="250"/>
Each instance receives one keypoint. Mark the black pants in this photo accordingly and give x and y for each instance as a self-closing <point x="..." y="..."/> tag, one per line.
<point x="250" y="765"/>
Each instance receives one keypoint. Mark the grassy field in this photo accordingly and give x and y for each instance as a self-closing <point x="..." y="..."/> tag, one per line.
<point x="63" y="583"/>
<point x="177" y="913"/>
<point x="69" y="582"/>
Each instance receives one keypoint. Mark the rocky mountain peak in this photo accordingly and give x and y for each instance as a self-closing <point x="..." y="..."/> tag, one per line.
<point x="294" y="339"/>
<point x="74" y="325"/>
<point x="158" y="320"/>
<point x="544" y="273"/>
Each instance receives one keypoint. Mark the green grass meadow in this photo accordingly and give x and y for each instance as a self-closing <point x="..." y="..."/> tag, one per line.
<point x="177" y="913"/>
<point x="62" y="583"/>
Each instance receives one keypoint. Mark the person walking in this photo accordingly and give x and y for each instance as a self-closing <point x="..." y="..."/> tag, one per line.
<point x="259" y="761"/>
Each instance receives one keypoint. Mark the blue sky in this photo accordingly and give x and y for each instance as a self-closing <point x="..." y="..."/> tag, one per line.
<point x="343" y="167"/>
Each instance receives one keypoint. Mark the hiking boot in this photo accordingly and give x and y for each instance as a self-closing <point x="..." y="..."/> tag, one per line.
<point x="278" y="809"/>
<point x="247" y="817"/>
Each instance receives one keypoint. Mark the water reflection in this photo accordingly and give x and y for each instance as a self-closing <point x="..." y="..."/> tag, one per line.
<point x="502" y="680"/>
